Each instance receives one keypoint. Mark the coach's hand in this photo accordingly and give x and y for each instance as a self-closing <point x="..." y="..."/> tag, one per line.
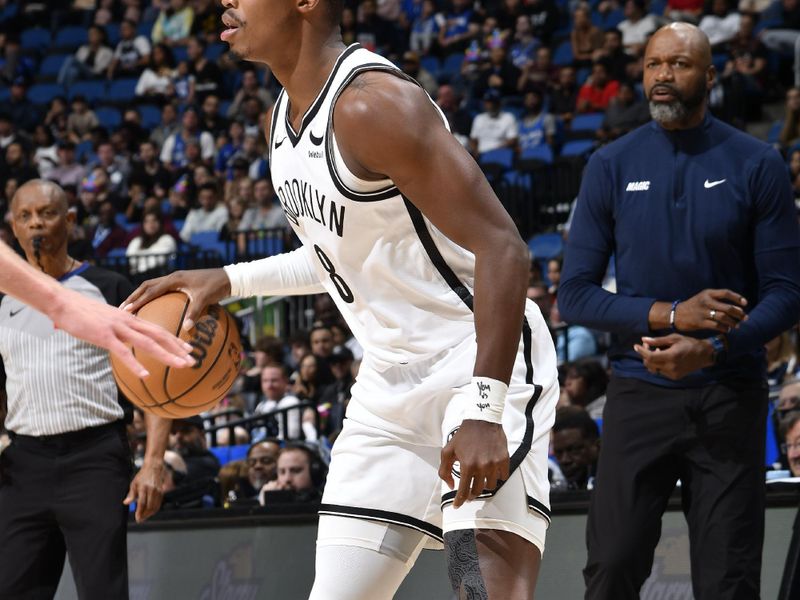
<point x="146" y="490"/>
<point x="718" y="310"/>
<point x="202" y="286"/>
<point x="675" y="356"/>
<point x="481" y="450"/>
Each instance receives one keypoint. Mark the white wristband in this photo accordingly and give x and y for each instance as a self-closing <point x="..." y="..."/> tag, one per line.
<point x="485" y="400"/>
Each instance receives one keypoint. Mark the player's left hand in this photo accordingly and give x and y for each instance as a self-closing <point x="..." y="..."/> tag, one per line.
<point x="146" y="490"/>
<point x="481" y="450"/>
<point x="675" y="356"/>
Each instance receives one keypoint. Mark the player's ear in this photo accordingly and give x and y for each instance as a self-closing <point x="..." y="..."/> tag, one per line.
<point x="308" y="6"/>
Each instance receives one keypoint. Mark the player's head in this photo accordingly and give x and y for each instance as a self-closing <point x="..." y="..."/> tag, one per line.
<point x="678" y="74"/>
<point x="271" y="32"/>
<point x="262" y="462"/>
<point x="39" y="211"/>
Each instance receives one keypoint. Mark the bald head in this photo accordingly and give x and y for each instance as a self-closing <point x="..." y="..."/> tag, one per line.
<point x="41" y="189"/>
<point x="683" y="37"/>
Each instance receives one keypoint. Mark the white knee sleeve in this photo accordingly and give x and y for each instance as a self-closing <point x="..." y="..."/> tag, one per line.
<point x="362" y="560"/>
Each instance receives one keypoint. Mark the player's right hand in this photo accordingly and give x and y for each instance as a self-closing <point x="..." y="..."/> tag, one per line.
<point x="201" y="286"/>
<point x="717" y="310"/>
<point x="481" y="450"/>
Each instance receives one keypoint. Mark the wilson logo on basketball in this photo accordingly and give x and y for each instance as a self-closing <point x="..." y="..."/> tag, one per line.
<point x="205" y="330"/>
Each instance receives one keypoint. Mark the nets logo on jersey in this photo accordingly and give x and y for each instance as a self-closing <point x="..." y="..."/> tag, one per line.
<point x="300" y="199"/>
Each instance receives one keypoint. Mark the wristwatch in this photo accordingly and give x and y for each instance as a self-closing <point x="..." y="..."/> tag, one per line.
<point x="719" y="346"/>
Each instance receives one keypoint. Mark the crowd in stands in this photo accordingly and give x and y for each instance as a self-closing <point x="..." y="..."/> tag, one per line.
<point x="156" y="133"/>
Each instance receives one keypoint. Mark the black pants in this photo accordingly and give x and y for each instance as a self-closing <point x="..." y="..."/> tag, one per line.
<point x="712" y="439"/>
<point x="63" y="494"/>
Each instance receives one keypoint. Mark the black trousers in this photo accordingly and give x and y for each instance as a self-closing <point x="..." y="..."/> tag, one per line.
<point x="62" y="494"/>
<point x="712" y="439"/>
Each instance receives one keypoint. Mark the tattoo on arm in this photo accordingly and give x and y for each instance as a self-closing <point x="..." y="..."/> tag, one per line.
<point x="463" y="568"/>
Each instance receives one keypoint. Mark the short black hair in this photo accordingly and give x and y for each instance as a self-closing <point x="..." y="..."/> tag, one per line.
<point x="574" y="417"/>
<point x="208" y="185"/>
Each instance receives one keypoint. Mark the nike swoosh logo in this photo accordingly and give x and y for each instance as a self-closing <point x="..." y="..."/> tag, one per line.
<point x="14" y="313"/>
<point x="709" y="184"/>
<point x="278" y="144"/>
<point x="314" y="139"/>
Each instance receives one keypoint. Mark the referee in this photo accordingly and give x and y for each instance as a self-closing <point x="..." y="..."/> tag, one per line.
<point x="700" y="219"/>
<point x="67" y="474"/>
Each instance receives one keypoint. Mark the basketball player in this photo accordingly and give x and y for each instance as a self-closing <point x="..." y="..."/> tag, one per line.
<point x="97" y="323"/>
<point x="400" y="227"/>
<point x="66" y="476"/>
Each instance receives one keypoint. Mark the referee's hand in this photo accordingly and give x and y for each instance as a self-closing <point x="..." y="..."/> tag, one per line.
<point x="481" y="450"/>
<point x="146" y="490"/>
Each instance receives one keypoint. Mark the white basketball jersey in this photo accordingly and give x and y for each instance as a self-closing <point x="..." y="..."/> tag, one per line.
<point x="404" y="288"/>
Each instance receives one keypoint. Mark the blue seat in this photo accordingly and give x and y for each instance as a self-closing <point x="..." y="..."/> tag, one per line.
<point x="452" y="65"/>
<point x="226" y="454"/>
<point x="587" y="122"/>
<point x="774" y="132"/>
<point x="546" y="246"/>
<point x="503" y="157"/>
<point x="612" y="19"/>
<point x="215" y="50"/>
<point x="180" y="54"/>
<point x="109" y="117"/>
<point x="151" y="115"/>
<point x="582" y="75"/>
<point x="116" y="252"/>
<point x="84" y="152"/>
<point x="42" y="93"/>
<point x="268" y="246"/>
<point x="71" y="37"/>
<point x="542" y="152"/>
<point x="209" y="240"/>
<point x="112" y="31"/>
<point x="430" y="64"/>
<point x="577" y="148"/>
<point x="51" y="65"/>
<point x="224" y="105"/>
<point x="91" y="90"/>
<point x="37" y="38"/>
<point x="122" y="91"/>
<point x="563" y="54"/>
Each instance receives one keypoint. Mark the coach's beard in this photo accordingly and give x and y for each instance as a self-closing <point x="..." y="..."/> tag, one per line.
<point x="679" y="109"/>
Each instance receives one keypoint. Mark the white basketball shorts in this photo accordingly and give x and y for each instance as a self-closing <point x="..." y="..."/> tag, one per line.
<point x="385" y="462"/>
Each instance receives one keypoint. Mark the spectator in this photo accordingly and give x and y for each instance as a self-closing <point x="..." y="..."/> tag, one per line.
<point x="585" y="383"/>
<point x="460" y="27"/>
<point x="116" y="167"/>
<point x="539" y="74"/>
<point x="268" y="350"/>
<point x="790" y="132"/>
<point x="306" y="385"/>
<point x="424" y="28"/>
<point x="721" y="24"/>
<point x="790" y="432"/>
<point x="91" y="61"/>
<point x="497" y="74"/>
<point x="412" y="68"/>
<point x="573" y="342"/>
<point x="250" y="88"/>
<point x="167" y="126"/>
<point x="614" y="56"/>
<point x="45" y="157"/>
<point x="174" y="151"/>
<point x="333" y="398"/>
<point x="174" y="24"/>
<point x="625" y="113"/>
<point x="182" y="87"/>
<point x="493" y="128"/>
<point x="554" y="274"/>
<point x="585" y="37"/>
<point x="523" y="49"/>
<point x="374" y="31"/>
<point x="596" y="94"/>
<point x="537" y="126"/>
<point x="252" y="118"/>
<point x="148" y="170"/>
<point x="206" y="73"/>
<point x="576" y="446"/>
<point x="153" y="204"/>
<point x="262" y="466"/>
<point x="206" y="24"/>
<point x="744" y="77"/>
<point x="544" y="15"/>
<point x="188" y="439"/>
<point x="24" y="115"/>
<point x="107" y="235"/>
<point x="459" y="120"/>
<point x="155" y="82"/>
<point x="689" y="11"/>
<point x="209" y="216"/>
<point x="236" y="209"/>
<point x="132" y="53"/>
<point x="636" y="27"/>
<point x="68" y="171"/>
<point x="300" y="471"/>
<point x="147" y="250"/>
<point x="16" y="165"/>
<point x="210" y="119"/>
<point x="81" y="119"/>
<point x="267" y="212"/>
<point x="794" y="171"/>
<point x="785" y="38"/>
<point x="175" y="471"/>
<point x="8" y="132"/>
<point x="275" y="388"/>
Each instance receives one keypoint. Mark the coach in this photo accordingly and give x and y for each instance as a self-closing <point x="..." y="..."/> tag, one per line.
<point x="700" y="220"/>
<point x="65" y="475"/>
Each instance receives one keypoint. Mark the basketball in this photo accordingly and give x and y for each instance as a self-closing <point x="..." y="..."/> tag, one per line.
<point x="175" y="393"/>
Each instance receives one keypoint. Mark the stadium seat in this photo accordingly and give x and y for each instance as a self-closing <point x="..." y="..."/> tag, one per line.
<point x="262" y="247"/>
<point x="151" y="115"/>
<point x="109" y="117"/>
<point x="180" y="54"/>
<point x="117" y="252"/>
<point x="563" y="54"/>
<point x="122" y="91"/>
<point x="42" y="93"/>
<point x="145" y="28"/>
<point x="84" y="152"/>
<point x="112" y="31"/>
<point x="209" y="240"/>
<point x="91" y="90"/>
<point x="224" y="105"/>
<point x="589" y="122"/>
<point x="451" y="67"/>
<point x="51" y="65"/>
<point x="214" y="51"/>
<point x="577" y="148"/>
<point x="226" y="454"/>
<point x="536" y="154"/>
<point x="546" y="246"/>
<point x="430" y="64"/>
<point x="5" y="93"/>
<point x="36" y="39"/>
<point x="774" y="132"/>
<point x="71" y="38"/>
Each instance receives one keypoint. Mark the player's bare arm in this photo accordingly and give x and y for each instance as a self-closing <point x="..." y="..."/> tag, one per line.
<point x="146" y="487"/>
<point x="387" y="127"/>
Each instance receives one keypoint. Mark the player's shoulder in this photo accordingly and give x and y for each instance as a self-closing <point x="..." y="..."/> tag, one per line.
<point x="376" y="95"/>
